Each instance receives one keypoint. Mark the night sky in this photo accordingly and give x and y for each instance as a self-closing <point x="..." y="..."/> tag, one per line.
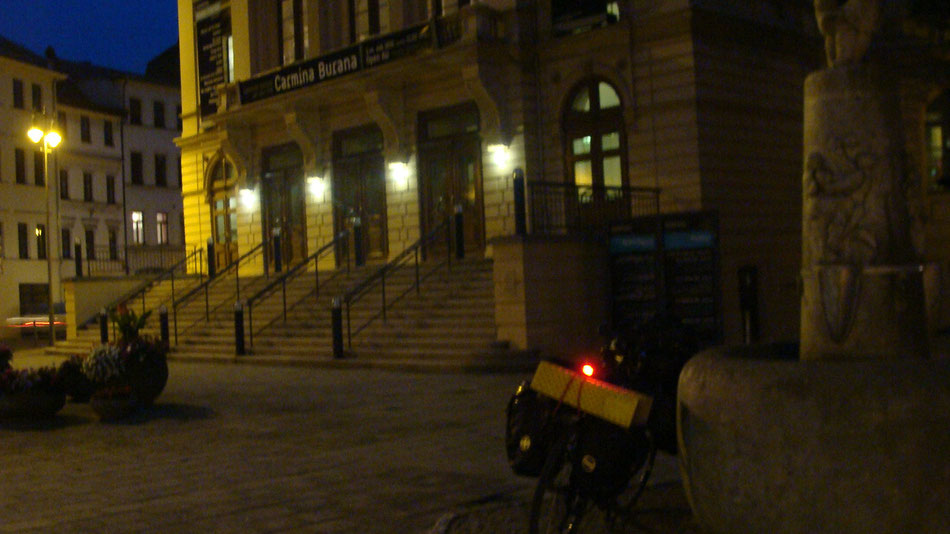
<point x="122" y="34"/>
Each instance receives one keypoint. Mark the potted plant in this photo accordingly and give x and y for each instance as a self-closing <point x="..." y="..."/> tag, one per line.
<point x="78" y="388"/>
<point x="144" y="357"/>
<point x="31" y="392"/>
<point x="105" y="367"/>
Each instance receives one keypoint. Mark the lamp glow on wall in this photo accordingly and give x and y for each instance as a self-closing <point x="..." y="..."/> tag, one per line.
<point x="399" y="174"/>
<point x="317" y="187"/>
<point x="249" y="198"/>
<point x="500" y="154"/>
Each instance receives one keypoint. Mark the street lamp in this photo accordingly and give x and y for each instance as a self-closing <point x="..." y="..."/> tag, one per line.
<point x="50" y="140"/>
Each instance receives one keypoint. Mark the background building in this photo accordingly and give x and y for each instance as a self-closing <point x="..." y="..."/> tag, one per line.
<point x="296" y="119"/>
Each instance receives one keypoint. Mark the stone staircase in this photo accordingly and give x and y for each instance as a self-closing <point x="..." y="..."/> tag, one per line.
<point x="448" y="324"/>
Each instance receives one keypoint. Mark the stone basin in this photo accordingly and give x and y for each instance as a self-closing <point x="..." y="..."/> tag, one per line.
<point x="772" y="444"/>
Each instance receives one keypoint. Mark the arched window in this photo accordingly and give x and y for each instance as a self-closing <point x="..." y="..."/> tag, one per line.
<point x="595" y="142"/>
<point x="938" y="142"/>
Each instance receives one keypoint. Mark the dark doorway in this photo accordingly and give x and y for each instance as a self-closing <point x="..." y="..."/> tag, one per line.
<point x="450" y="176"/>
<point x="359" y="188"/>
<point x="283" y="202"/>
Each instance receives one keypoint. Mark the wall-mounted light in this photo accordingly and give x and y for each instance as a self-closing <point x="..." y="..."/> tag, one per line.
<point x="399" y="174"/>
<point x="317" y="187"/>
<point x="249" y="198"/>
<point x="500" y="155"/>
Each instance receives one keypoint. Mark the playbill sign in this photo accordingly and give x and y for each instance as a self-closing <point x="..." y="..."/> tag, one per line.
<point x="327" y="67"/>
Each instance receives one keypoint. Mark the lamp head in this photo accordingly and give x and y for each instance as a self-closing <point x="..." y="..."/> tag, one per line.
<point x="35" y="134"/>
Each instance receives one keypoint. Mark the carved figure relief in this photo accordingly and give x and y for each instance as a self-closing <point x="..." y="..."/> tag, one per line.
<point x="847" y="28"/>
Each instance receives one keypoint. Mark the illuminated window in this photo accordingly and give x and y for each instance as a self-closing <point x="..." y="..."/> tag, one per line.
<point x="161" y="226"/>
<point x="596" y="146"/>
<point x="41" y="241"/>
<point x="937" y="131"/>
<point x="138" y="228"/>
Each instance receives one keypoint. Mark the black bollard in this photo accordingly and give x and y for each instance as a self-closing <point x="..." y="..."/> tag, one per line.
<point x="358" y="255"/>
<point x="459" y="233"/>
<point x="163" y="323"/>
<point x="78" y="253"/>
<point x="103" y="326"/>
<point x="337" y="323"/>
<point x="521" y="225"/>
<point x="238" y="328"/>
<point x="210" y="258"/>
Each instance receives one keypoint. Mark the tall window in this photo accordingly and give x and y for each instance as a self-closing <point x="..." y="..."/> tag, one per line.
<point x="90" y="244"/>
<point x="135" y="164"/>
<point x="938" y="142"/>
<point x="87" y="186"/>
<point x="107" y="133"/>
<point x="39" y="171"/>
<point x="61" y="124"/>
<point x="37" y="97"/>
<point x="161" y="227"/>
<point x="113" y="245"/>
<point x="20" y="162"/>
<point x="66" y="240"/>
<point x="135" y="111"/>
<point x="41" y="241"/>
<point x="110" y="189"/>
<point x="64" y="184"/>
<point x="84" y="133"/>
<point x="23" y="241"/>
<point x="18" y="93"/>
<point x="158" y="114"/>
<point x="161" y="171"/>
<point x="293" y="31"/>
<point x="595" y="150"/>
<point x="138" y="228"/>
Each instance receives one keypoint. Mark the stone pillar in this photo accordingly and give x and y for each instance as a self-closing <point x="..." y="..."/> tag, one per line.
<point x="861" y="280"/>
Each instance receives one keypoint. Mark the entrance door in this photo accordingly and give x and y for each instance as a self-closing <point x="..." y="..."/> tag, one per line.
<point x="450" y="175"/>
<point x="223" y="214"/>
<point x="283" y="203"/>
<point x="359" y="188"/>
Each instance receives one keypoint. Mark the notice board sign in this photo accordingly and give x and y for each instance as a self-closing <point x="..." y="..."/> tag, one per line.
<point x="667" y="264"/>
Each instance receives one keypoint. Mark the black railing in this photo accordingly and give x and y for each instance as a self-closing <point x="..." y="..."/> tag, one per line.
<point x="413" y="253"/>
<point x="292" y="273"/>
<point x="562" y="208"/>
<point x="191" y="263"/>
<point x="110" y="260"/>
<point x="204" y="289"/>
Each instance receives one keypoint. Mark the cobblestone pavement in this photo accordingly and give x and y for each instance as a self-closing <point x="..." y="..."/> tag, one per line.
<point x="235" y="448"/>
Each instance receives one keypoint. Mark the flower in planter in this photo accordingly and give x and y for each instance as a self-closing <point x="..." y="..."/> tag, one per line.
<point x="129" y="323"/>
<point x="70" y="374"/>
<point x="25" y="380"/>
<point x="104" y="365"/>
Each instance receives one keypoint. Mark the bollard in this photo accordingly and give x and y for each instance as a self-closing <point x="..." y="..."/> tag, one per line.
<point x="277" y="258"/>
<point x="337" y="323"/>
<point x="103" y="326"/>
<point x="238" y="328"/>
<point x="358" y="256"/>
<point x="521" y="225"/>
<point x="163" y="323"/>
<point x="459" y="233"/>
<point x="210" y="258"/>
<point x="78" y="254"/>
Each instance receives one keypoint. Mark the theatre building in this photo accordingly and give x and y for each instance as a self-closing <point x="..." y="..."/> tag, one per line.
<point x="301" y="117"/>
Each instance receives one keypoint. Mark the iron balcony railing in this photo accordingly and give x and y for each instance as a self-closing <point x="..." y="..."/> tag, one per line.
<point x="563" y="208"/>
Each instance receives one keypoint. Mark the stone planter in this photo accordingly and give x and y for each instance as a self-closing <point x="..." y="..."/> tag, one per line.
<point x="113" y="408"/>
<point x="148" y="380"/>
<point x="787" y="446"/>
<point x="37" y="404"/>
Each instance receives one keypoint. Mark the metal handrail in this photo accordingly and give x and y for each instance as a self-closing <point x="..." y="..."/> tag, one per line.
<point x="142" y="289"/>
<point x="292" y="273"/>
<point x="205" y="286"/>
<point x="378" y="278"/>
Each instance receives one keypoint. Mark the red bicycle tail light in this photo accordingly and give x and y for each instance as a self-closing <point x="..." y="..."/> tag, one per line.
<point x="588" y="369"/>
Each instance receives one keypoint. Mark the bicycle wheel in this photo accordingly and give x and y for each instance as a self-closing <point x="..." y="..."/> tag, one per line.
<point x="557" y="506"/>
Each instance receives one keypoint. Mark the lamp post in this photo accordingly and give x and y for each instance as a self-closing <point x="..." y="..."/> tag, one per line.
<point x="50" y="139"/>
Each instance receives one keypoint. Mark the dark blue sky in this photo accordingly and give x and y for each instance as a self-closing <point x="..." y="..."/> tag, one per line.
<point x="122" y="34"/>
